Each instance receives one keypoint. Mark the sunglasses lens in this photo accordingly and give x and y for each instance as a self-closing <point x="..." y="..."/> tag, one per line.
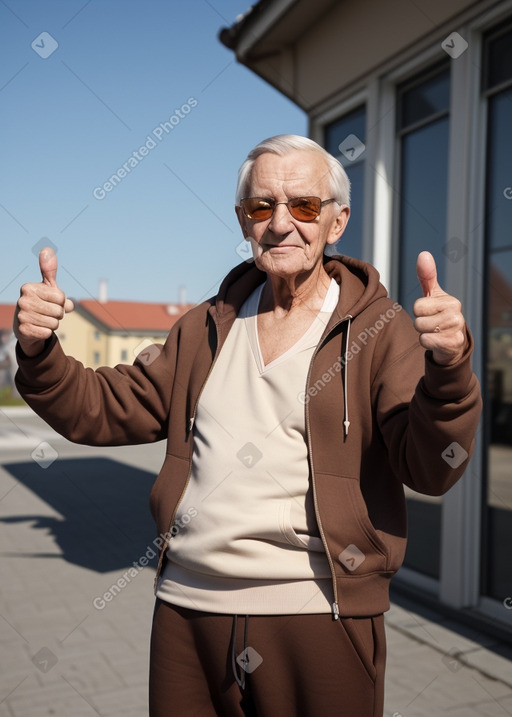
<point x="305" y="209"/>
<point x="257" y="208"/>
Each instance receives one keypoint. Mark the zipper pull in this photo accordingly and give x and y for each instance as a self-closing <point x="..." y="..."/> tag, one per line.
<point x="335" y="611"/>
<point x="191" y="423"/>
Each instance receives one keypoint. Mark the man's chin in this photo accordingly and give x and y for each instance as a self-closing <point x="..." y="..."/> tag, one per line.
<point x="279" y="265"/>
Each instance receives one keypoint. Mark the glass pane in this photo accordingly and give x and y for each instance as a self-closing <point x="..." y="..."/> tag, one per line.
<point x="351" y="242"/>
<point x="499" y="176"/>
<point x="425" y="100"/>
<point x="422" y="204"/>
<point x="424" y="542"/>
<point x="499" y="61"/>
<point x="496" y="566"/>
<point x="422" y="216"/>
<point x="336" y="132"/>
<point x="499" y="406"/>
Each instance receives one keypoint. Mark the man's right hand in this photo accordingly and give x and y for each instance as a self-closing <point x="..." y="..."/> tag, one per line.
<point x="40" y="307"/>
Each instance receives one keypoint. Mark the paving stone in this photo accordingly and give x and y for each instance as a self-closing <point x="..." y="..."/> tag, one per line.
<point x="492" y="709"/>
<point x="420" y="683"/>
<point x="52" y="705"/>
<point x="4" y="710"/>
<point x="115" y="703"/>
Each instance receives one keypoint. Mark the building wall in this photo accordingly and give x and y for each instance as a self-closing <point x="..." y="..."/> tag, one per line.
<point x="355" y="36"/>
<point x="95" y="347"/>
<point x="351" y="40"/>
<point x="76" y="335"/>
<point x="131" y="345"/>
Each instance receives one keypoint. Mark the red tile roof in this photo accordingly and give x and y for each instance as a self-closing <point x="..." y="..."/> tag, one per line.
<point x="134" y="315"/>
<point x="119" y="315"/>
<point x="6" y="315"/>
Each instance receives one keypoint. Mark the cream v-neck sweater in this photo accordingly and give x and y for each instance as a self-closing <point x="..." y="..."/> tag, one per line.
<point x="248" y="541"/>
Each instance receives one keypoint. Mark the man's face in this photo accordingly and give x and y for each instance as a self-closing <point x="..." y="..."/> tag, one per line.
<point x="282" y="245"/>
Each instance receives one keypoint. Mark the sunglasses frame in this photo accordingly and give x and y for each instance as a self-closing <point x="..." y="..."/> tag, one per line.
<point x="274" y="204"/>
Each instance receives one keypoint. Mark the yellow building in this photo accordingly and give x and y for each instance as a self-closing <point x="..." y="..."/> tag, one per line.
<point x="112" y="332"/>
<point x="98" y="333"/>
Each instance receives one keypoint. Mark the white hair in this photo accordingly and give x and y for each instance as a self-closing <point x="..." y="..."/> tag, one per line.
<point x="283" y="144"/>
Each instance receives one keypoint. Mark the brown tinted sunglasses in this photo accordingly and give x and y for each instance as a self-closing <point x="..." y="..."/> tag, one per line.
<point x="305" y="209"/>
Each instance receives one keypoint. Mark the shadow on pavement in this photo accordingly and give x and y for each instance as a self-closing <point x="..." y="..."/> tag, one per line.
<point x="105" y="525"/>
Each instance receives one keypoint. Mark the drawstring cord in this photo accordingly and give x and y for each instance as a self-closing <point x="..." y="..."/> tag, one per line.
<point x="234" y="664"/>
<point x="346" y="422"/>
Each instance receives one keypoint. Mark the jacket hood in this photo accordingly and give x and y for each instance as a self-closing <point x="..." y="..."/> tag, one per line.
<point x="359" y="287"/>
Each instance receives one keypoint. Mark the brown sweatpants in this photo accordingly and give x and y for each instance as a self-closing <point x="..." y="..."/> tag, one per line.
<point x="211" y="665"/>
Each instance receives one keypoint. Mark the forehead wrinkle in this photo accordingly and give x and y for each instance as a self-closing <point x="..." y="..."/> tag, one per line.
<point x="283" y="172"/>
<point x="269" y="184"/>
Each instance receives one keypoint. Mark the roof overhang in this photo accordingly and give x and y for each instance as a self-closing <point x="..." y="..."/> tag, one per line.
<point x="263" y="39"/>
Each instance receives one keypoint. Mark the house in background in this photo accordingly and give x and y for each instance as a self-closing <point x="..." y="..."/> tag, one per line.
<point x="415" y="99"/>
<point x="8" y="364"/>
<point x="98" y="332"/>
<point x="106" y="333"/>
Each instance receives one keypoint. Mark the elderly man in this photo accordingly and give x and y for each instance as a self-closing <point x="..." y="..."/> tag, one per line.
<point x="295" y="404"/>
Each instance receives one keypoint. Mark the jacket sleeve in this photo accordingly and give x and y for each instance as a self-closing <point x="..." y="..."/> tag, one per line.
<point x="109" y="406"/>
<point x="427" y="414"/>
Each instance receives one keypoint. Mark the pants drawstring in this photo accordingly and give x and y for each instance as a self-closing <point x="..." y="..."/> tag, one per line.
<point x="239" y="671"/>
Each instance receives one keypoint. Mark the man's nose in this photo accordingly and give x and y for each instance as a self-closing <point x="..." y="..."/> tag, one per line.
<point x="281" y="220"/>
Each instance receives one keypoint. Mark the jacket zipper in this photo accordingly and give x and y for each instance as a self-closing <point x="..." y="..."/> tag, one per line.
<point x="335" y="605"/>
<point x="190" y="427"/>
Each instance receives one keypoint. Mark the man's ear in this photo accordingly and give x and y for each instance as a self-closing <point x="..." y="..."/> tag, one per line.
<point x="339" y="225"/>
<point x="242" y="221"/>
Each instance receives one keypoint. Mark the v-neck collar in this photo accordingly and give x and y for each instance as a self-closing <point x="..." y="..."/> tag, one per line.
<point x="249" y="314"/>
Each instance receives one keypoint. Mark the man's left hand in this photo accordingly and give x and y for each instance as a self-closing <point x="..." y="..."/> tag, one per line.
<point x="439" y="320"/>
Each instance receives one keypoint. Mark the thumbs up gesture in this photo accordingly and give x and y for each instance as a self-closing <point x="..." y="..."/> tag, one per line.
<point x="40" y="307"/>
<point x="439" y="320"/>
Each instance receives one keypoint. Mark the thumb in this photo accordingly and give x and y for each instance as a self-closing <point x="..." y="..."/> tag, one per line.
<point x="427" y="274"/>
<point x="48" y="266"/>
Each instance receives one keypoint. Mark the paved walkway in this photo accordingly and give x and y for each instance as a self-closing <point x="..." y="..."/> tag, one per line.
<point x="74" y="520"/>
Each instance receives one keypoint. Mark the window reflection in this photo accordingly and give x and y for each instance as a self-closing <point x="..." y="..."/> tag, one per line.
<point x="423" y="127"/>
<point x="497" y="534"/>
<point x="354" y="123"/>
<point x="422" y="204"/>
<point x="497" y="572"/>
<point x="423" y="131"/>
<point x="499" y="360"/>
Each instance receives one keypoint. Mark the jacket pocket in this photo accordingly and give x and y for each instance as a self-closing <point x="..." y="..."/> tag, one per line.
<point x="361" y="511"/>
<point x="304" y="541"/>
<point x="354" y="543"/>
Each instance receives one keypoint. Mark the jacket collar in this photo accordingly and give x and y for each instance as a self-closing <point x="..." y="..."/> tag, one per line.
<point x="359" y="287"/>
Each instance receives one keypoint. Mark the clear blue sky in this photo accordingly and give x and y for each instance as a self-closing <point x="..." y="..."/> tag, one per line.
<point x="68" y="122"/>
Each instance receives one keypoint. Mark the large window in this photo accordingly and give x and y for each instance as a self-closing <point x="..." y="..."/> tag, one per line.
<point x="423" y="134"/>
<point x="345" y="139"/>
<point x="423" y="130"/>
<point x="497" y="89"/>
